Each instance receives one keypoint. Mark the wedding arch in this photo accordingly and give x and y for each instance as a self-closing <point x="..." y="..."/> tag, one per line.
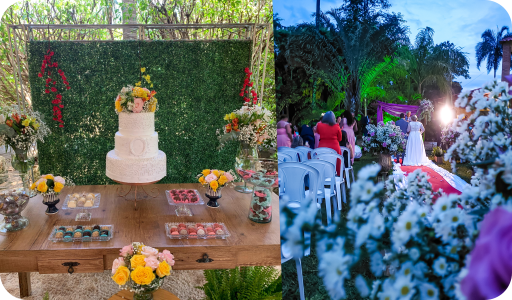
<point x="393" y="109"/>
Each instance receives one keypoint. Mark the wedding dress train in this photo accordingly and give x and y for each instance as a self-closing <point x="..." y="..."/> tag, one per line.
<point x="415" y="150"/>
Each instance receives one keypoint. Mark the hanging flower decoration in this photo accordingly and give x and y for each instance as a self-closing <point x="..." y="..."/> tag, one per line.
<point x="49" y="67"/>
<point x="248" y="92"/>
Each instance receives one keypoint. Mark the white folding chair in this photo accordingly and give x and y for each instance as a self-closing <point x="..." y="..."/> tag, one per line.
<point x="325" y="170"/>
<point x="293" y="153"/>
<point x="348" y="169"/>
<point x="286" y="157"/>
<point x="339" y="181"/>
<point x="322" y="150"/>
<point x="304" y="152"/>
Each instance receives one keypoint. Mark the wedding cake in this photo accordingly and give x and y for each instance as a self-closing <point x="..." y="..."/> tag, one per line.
<point x="136" y="158"/>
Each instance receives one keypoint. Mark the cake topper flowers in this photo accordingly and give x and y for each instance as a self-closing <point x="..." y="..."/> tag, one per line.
<point x="137" y="99"/>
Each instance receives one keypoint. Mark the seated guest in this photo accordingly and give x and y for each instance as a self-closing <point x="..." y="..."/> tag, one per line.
<point x="308" y="136"/>
<point x="330" y="134"/>
<point x="344" y="143"/>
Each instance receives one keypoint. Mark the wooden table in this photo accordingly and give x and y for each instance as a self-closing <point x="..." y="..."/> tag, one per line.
<point x="158" y="295"/>
<point x="250" y="244"/>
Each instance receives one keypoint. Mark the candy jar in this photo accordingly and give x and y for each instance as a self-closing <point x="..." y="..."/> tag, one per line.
<point x="12" y="203"/>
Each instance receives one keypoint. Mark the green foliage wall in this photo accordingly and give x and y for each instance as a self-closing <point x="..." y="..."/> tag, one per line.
<point x="197" y="83"/>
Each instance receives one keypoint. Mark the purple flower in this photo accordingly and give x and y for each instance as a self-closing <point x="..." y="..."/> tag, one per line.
<point x="490" y="268"/>
<point x="384" y="144"/>
<point x="372" y="133"/>
<point x="392" y="134"/>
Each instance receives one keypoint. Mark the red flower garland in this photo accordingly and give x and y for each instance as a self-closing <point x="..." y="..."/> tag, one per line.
<point x="57" y="101"/>
<point x="245" y="92"/>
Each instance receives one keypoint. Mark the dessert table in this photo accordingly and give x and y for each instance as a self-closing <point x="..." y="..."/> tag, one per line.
<point x="250" y="244"/>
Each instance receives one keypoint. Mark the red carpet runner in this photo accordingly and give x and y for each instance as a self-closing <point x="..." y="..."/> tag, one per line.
<point x="435" y="179"/>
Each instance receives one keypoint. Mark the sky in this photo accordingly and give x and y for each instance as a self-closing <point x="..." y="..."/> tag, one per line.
<point x="461" y="22"/>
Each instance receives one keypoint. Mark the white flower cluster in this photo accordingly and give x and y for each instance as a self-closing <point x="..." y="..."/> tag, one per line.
<point x="384" y="138"/>
<point x="426" y="109"/>
<point x="24" y="136"/>
<point x="487" y="132"/>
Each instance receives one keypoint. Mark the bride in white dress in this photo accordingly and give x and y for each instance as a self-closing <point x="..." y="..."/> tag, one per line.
<point x="415" y="150"/>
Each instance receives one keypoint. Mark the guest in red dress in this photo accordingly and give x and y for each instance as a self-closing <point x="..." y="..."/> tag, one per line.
<point x="330" y="135"/>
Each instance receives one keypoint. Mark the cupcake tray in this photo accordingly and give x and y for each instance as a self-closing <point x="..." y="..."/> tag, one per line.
<point x="105" y="234"/>
<point x="83" y="215"/>
<point x="193" y="230"/>
<point x="183" y="197"/>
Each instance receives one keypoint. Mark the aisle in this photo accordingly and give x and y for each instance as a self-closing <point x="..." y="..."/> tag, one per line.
<point x="437" y="181"/>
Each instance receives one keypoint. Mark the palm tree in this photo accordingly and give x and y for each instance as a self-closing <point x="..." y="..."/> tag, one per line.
<point x="491" y="49"/>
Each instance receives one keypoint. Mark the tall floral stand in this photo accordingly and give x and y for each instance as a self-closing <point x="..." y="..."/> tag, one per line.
<point x="135" y="187"/>
<point x="244" y="161"/>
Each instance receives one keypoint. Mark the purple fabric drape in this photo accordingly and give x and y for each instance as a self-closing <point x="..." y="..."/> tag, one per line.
<point x="394" y="109"/>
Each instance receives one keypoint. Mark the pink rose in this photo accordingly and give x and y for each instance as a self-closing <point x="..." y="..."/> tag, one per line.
<point x="210" y="177"/>
<point x="138" y="104"/>
<point x="118" y="262"/>
<point x="152" y="262"/>
<point x="127" y="250"/>
<point x="149" y="251"/>
<point x="229" y="176"/>
<point x="59" y="179"/>
<point x="146" y="90"/>
<point x="167" y="256"/>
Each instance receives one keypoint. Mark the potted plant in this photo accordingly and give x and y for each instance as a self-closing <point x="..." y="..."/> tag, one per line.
<point x="385" y="139"/>
<point x="438" y="155"/>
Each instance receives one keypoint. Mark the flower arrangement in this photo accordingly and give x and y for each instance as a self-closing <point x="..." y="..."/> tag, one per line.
<point x="21" y="130"/>
<point x="50" y="185"/>
<point x="425" y="110"/>
<point x="249" y="124"/>
<point x="215" y="179"/>
<point x="137" y="99"/>
<point x="141" y="269"/>
<point x="384" y="138"/>
<point x="51" y="85"/>
<point x="448" y="135"/>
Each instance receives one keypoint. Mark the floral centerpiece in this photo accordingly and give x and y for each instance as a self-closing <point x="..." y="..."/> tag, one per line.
<point x="385" y="138"/>
<point x="21" y="130"/>
<point x="214" y="181"/>
<point x="49" y="187"/>
<point x="425" y="110"/>
<point x="142" y="269"/>
<point x="137" y="99"/>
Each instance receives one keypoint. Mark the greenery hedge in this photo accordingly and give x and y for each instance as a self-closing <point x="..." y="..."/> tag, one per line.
<point x="197" y="83"/>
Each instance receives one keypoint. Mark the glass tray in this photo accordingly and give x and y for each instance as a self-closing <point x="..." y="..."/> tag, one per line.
<point x="82" y="239"/>
<point x="96" y="204"/>
<point x="173" y="202"/>
<point x="188" y="236"/>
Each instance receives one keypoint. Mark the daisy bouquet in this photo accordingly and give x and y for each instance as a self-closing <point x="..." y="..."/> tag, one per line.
<point x="141" y="269"/>
<point x="137" y="99"/>
<point x="215" y="179"/>
<point x="384" y="138"/>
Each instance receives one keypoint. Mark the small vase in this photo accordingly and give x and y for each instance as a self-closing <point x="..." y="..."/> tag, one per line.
<point x="260" y="210"/>
<point x="213" y="196"/>
<point x="23" y="164"/>
<point x="385" y="162"/>
<point x="143" y="296"/>
<point x="51" y="201"/>
<point x="246" y="154"/>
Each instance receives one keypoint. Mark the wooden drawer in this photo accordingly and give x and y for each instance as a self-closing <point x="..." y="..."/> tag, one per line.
<point x="53" y="264"/>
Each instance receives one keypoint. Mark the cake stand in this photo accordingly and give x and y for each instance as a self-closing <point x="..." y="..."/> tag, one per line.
<point x="135" y="187"/>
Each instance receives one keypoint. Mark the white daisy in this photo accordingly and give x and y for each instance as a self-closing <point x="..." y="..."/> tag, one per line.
<point x="334" y="269"/>
<point x="429" y="292"/>
<point x="388" y="291"/>
<point x="404" y="286"/>
<point x="414" y="254"/>
<point x="361" y="286"/>
<point x="376" y="264"/>
<point x="440" y="266"/>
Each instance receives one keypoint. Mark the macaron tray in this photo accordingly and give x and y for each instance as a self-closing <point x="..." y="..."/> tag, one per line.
<point x="190" y="230"/>
<point x="82" y="233"/>
<point x="184" y="197"/>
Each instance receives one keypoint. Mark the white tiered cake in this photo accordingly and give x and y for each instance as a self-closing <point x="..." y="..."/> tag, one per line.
<point x="136" y="158"/>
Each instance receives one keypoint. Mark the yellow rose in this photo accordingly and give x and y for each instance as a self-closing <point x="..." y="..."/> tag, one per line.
<point x="216" y="173"/>
<point x="49" y="176"/>
<point x="33" y="186"/>
<point x="201" y="179"/>
<point x="214" y="185"/>
<point x="221" y="172"/>
<point x="222" y="180"/>
<point x="206" y="172"/>
<point x="121" y="276"/>
<point x="143" y="275"/>
<point x="42" y="187"/>
<point x="26" y="122"/>
<point x="137" y="261"/>
<point x="143" y="70"/>
<point x="163" y="269"/>
<point x="119" y="108"/>
<point x="58" y="187"/>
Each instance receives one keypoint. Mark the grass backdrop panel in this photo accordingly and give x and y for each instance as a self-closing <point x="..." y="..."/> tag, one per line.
<point x="197" y="83"/>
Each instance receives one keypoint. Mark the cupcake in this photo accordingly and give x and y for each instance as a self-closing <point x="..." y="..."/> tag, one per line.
<point x="174" y="230"/>
<point x="59" y="234"/>
<point x="175" y="233"/>
<point x="200" y="232"/>
<point x="96" y="233"/>
<point x="62" y="229"/>
<point x="69" y="229"/>
<point x="80" y="202"/>
<point x="79" y="227"/>
<point x="68" y="234"/>
<point x="183" y="232"/>
<point x="219" y="232"/>
<point x="87" y="233"/>
<point x="90" y="196"/>
<point x="96" y="228"/>
<point x="88" y="203"/>
<point x="105" y="227"/>
<point x="78" y="234"/>
<point x="76" y="196"/>
<point x="181" y="225"/>
<point x="88" y="228"/>
<point x="72" y="203"/>
<point x="104" y="233"/>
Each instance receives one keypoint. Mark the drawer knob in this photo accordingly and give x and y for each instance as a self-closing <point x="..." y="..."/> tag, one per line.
<point x="71" y="265"/>
<point x="205" y="259"/>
